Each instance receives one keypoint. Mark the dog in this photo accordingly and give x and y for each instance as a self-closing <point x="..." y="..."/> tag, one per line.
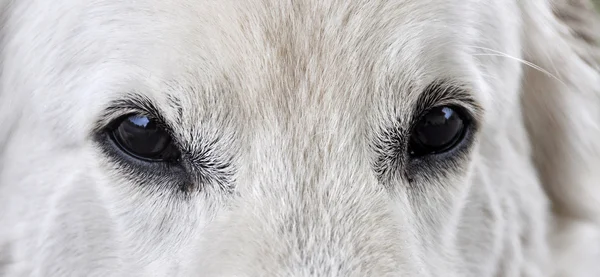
<point x="299" y="138"/>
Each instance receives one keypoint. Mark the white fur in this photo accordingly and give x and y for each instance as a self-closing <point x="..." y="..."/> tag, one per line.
<point x="294" y="93"/>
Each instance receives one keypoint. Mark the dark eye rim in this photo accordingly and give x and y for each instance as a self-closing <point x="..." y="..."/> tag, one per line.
<point x="466" y="131"/>
<point x="134" y="166"/>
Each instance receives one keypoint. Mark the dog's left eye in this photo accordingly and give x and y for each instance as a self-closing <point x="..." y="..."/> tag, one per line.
<point x="438" y="130"/>
<point x="142" y="137"/>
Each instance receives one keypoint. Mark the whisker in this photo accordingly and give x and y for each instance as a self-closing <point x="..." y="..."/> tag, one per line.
<point x="528" y="63"/>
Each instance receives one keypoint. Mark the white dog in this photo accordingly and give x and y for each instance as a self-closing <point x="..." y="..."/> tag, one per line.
<point x="299" y="138"/>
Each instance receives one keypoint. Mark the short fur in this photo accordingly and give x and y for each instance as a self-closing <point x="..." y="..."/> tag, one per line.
<point x="293" y="118"/>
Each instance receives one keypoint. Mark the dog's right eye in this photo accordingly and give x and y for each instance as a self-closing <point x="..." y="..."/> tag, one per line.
<point x="142" y="137"/>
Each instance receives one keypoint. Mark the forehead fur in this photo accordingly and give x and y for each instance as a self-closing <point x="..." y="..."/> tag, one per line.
<point x="255" y="59"/>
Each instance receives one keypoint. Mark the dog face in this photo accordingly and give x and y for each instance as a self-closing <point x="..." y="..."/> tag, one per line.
<point x="268" y="138"/>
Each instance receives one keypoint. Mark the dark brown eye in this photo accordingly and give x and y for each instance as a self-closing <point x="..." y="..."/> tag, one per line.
<point x="142" y="137"/>
<point x="438" y="130"/>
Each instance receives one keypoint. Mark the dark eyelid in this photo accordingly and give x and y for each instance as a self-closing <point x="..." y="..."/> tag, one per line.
<point x="130" y="104"/>
<point x="443" y="92"/>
